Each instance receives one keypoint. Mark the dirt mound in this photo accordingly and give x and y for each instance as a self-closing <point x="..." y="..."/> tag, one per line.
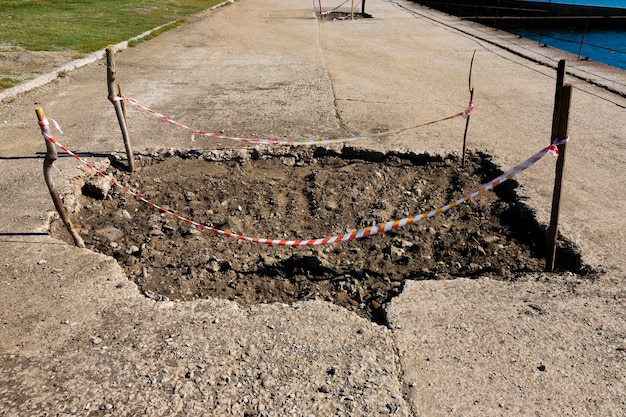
<point x="302" y="195"/>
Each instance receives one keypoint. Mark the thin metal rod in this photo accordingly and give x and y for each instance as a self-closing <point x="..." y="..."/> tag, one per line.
<point x="471" y="90"/>
<point x="465" y="132"/>
<point x="582" y="41"/>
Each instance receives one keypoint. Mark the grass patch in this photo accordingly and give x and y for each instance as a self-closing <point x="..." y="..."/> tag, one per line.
<point x="87" y="25"/>
<point x="7" y="82"/>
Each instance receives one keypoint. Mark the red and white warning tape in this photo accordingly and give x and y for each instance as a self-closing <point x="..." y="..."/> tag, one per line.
<point x="465" y="113"/>
<point x="359" y="234"/>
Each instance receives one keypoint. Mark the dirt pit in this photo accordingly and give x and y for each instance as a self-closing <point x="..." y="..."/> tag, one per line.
<point x="307" y="194"/>
<point x="342" y="15"/>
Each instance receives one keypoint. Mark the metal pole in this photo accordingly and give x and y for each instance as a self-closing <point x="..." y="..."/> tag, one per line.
<point x="544" y="21"/>
<point x="582" y="41"/>
<point x="495" y="19"/>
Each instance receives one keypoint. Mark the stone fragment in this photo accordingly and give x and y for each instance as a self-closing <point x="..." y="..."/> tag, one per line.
<point x="97" y="187"/>
<point x="132" y="250"/>
<point x="123" y="214"/>
<point x="288" y="160"/>
<point x="110" y="233"/>
<point x="491" y="239"/>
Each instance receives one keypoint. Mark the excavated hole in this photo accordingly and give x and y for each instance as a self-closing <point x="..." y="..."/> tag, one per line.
<point x="342" y="15"/>
<point x="302" y="194"/>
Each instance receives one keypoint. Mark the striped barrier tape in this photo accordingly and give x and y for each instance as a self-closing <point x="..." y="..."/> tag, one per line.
<point x="359" y="234"/>
<point x="465" y="113"/>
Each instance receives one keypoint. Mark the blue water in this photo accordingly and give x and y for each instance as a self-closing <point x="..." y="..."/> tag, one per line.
<point x="599" y="3"/>
<point x="604" y="46"/>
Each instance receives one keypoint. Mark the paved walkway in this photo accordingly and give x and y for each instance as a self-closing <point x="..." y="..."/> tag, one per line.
<point x="78" y="337"/>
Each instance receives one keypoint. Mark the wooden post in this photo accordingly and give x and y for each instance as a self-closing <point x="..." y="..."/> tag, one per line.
<point x="352" y="11"/>
<point x="560" y="80"/>
<point x="560" y="123"/>
<point x="48" y="162"/>
<point x="110" y="52"/>
<point x="320" y="3"/>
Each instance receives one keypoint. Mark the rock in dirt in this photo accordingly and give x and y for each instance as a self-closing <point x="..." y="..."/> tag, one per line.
<point x="97" y="187"/>
<point x="110" y="233"/>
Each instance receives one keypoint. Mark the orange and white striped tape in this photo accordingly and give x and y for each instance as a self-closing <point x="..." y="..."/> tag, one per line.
<point x="465" y="113"/>
<point x="359" y="234"/>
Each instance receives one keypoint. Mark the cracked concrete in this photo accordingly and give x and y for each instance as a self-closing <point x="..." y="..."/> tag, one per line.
<point x="78" y="339"/>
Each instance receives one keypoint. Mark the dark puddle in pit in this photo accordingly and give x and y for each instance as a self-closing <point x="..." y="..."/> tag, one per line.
<point x="303" y="194"/>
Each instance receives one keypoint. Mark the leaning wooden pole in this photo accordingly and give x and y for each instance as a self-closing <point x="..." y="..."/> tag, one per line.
<point x="110" y="52"/>
<point x="563" y="97"/>
<point x="48" y="162"/>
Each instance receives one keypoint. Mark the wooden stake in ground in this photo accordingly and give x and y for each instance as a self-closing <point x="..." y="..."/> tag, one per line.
<point x="48" y="162"/>
<point x="110" y="52"/>
<point x="352" y="11"/>
<point x="560" y="120"/>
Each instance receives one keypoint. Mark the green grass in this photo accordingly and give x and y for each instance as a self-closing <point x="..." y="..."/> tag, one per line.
<point x="86" y="25"/>
<point x="6" y="82"/>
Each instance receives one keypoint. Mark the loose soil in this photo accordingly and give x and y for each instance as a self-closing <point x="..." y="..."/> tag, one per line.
<point x="302" y="195"/>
